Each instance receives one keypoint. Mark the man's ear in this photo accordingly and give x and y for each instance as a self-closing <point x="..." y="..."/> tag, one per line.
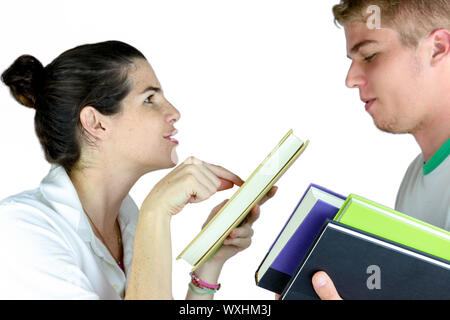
<point x="93" y="122"/>
<point x="441" y="45"/>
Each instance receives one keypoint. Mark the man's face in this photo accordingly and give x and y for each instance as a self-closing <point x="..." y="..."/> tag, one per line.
<point x="391" y="78"/>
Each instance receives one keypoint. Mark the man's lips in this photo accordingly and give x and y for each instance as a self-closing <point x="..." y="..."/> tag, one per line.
<point x="369" y="103"/>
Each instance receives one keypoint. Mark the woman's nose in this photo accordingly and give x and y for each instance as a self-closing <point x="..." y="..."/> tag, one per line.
<point x="173" y="115"/>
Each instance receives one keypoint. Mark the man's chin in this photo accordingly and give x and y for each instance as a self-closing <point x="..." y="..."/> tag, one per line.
<point x="391" y="128"/>
<point x="388" y="127"/>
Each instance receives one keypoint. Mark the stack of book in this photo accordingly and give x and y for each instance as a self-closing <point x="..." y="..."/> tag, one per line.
<point x="370" y="251"/>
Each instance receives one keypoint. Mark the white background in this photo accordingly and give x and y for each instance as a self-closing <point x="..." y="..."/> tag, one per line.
<point x="242" y="73"/>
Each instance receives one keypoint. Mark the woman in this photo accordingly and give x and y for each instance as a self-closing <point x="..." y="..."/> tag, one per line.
<point x="103" y="122"/>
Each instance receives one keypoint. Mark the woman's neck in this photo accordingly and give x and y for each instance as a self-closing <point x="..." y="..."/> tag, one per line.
<point x="101" y="191"/>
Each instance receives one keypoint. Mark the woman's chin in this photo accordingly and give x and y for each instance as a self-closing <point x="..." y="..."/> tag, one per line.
<point x="169" y="163"/>
<point x="174" y="157"/>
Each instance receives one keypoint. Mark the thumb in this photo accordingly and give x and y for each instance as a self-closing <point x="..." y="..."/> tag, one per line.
<point x="218" y="207"/>
<point x="324" y="287"/>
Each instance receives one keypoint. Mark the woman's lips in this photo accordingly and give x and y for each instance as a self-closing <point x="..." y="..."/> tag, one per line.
<point x="171" y="140"/>
<point x="170" y="137"/>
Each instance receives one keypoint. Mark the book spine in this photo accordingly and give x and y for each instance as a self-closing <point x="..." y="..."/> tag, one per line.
<point x="395" y="226"/>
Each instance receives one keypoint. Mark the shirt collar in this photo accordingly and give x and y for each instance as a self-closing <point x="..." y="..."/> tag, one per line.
<point x="59" y="191"/>
<point x="437" y="158"/>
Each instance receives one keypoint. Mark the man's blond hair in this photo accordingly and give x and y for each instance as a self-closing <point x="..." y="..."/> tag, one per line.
<point x="413" y="19"/>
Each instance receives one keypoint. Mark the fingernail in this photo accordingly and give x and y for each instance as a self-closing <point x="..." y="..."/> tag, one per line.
<point x="321" y="281"/>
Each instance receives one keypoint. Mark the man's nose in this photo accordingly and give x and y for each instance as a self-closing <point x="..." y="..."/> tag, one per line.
<point x="355" y="77"/>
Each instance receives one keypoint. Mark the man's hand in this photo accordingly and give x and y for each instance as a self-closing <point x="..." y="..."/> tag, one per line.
<point x="324" y="287"/>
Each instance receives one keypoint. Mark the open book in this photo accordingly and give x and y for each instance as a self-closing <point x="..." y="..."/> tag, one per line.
<point x="246" y="197"/>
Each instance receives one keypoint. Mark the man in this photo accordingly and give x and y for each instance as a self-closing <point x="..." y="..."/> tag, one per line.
<point x="400" y="52"/>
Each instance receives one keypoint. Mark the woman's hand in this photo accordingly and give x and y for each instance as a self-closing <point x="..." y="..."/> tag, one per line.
<point x="241" y="237"/>
<point x="192" y="181"/>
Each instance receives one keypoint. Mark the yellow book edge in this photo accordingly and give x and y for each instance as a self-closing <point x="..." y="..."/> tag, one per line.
<point x="245" y="212"/>
<point x="239" y="190"/>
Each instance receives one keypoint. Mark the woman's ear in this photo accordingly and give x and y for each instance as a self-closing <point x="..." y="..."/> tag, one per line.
<point x="93" y="122"/>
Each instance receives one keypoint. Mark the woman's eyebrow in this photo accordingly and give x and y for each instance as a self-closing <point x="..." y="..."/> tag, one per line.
<point x="151" y="88"/>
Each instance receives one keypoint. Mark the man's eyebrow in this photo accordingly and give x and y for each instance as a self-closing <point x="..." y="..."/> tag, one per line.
<point x="151" y="88"/>
<point x="360" y="44"/>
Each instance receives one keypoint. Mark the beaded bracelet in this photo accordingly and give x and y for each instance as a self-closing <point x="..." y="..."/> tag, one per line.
<point x="199" y="291"/>
<point x="202" y="284"/>
<point x="200" y="287"/>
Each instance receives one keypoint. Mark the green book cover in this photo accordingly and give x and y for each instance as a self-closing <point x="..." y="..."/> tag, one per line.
<point x="390" y="224"/>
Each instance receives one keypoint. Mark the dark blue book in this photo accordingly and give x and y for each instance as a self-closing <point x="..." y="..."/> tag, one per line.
<point x="363" y="266"/>
<point x="284" y="256"/>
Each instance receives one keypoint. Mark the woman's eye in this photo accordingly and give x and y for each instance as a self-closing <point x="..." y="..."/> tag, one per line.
<point x="370" y="58"/>
<point x="148" y="99"/>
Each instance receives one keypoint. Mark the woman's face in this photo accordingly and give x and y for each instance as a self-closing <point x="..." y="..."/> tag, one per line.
<point x="141" y="131"/>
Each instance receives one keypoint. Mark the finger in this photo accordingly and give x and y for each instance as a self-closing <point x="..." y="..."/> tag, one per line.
<point x="199" y="191"/>
<point x="240" y="243"/>
<point x="254" y="215"/>
<point x="269" y="195"/>
<point x="219" y="206"/>
<point x="214" y="211"/>
<point x="202" y="177"/>
<point x="324" y="287"/>
<point x="225" y="185"/>
<point x="208" y="173"/>
<point x="194" y="165"/>
<point x="186" y="162"/>
<point x="241" y="232"/>
<point x="224" y="174"/>
<point x="223" y="178"/>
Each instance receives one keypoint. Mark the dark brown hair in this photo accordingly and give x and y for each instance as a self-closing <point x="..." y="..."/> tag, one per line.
<point x="90" y="74"/>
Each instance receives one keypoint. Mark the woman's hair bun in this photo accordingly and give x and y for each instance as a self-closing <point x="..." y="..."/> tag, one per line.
<point x="23" y="78"/>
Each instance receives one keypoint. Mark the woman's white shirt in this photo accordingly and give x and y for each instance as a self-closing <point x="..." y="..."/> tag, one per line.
<point x="50" y="251"/>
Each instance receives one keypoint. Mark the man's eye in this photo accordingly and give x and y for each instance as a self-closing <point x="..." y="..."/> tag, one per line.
<point x="370" y="58"/>
<point x="149" y="99"/>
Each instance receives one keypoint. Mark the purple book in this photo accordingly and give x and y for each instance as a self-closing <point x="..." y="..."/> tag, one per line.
<point x="286" y="253"/>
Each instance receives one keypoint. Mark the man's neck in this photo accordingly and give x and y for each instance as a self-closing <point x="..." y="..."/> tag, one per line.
<point x="433" y="135"/>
